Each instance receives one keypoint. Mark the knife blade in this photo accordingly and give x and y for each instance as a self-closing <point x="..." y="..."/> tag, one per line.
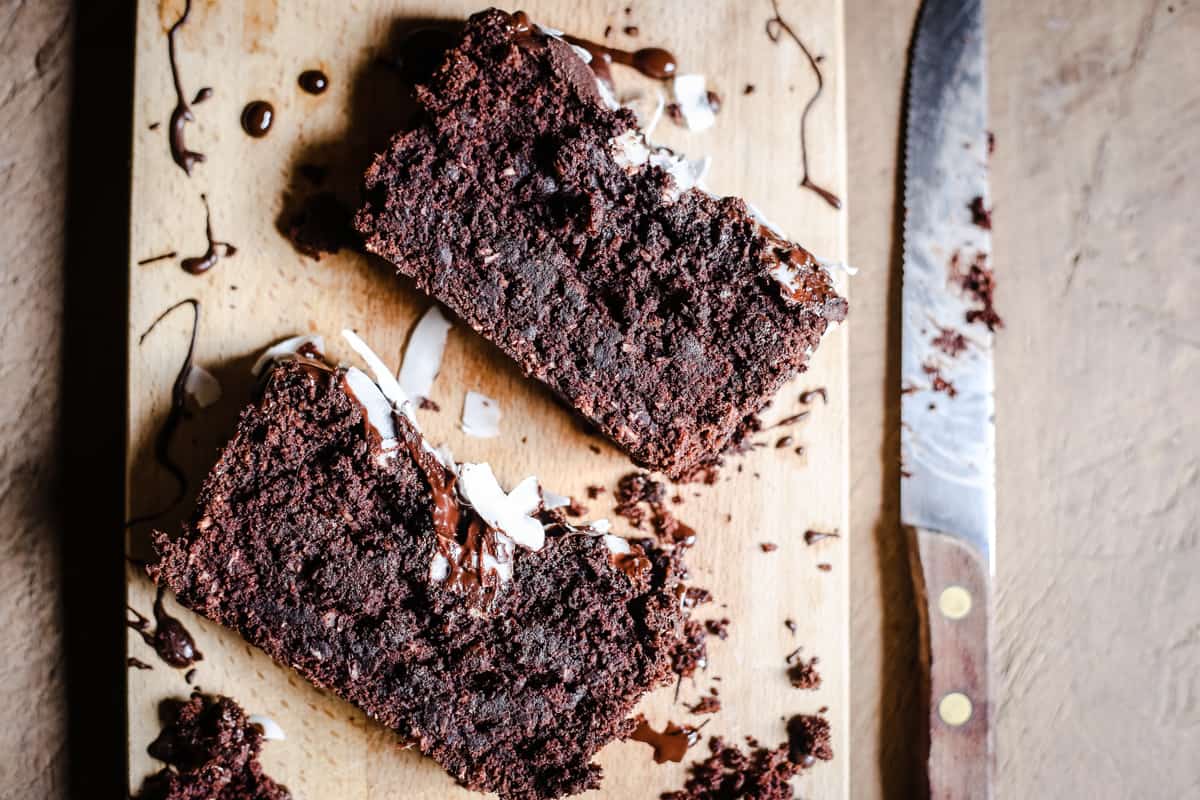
<point x="947" y="491"/>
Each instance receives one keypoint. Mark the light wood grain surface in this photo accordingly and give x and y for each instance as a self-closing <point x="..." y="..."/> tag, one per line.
<point x="1095" y="108"/>
<point x="254" y="50"/>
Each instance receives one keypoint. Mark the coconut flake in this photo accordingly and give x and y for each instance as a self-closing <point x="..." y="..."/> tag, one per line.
<point x="377" y="408"/>
<point x="837" y="266"/>
<point x="423" y="356"/>
<point x="616" y="544"/>
<point x="553" y="33"/>
<point x="480" y="416"/>
<point x="687" y="173"/>
<point x="691" y="96"/>
<point x="383" y="376"/>
<point x="600" y="525"/>
<point x="552" y="500"/>
<point x="507" y="513"/>
<point x="288" y="347"/>
<point x="606" y="95"/>
<point x="761" y="219"/>
<point x="269" y="727"/>
<point x="202" y="386"/>
<point x="630" y="150"/>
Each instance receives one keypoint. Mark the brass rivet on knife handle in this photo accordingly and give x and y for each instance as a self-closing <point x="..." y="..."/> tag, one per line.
<point x="952" y="592"/>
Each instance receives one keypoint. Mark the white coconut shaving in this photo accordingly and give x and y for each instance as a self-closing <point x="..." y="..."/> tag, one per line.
<point x="616" y="544"/>
<point x="691" y="97"/>
<point x="202" y="386"/>
<point x="600" y="525"/>
<point x="629" y="150"/>
<point x="606" y="95"/>
<point x="506" y="512"/>
<point x="583" y="54"/>
<point x="837" y="266"/>
<point x="288" y="347"/>
<point x="686" y="172"/>
<point x="384" y="378"/>
<point x="553" y="33"/>
<point x="647" y="106"/>
<point x="552" y="500"/>
<point x="423" y="355"/>
<point x="269" y="727"/>
<point x="480" y="416"/>
<point x="378" y="409"/>
<point x="761" y="219"/>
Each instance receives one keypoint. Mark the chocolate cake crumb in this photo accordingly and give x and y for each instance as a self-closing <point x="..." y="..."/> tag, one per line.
<point x="718" y="627"/>
<point x="631" y="30"/>
<point x="809" y="739"/>
<point x="595" y="491"/>
<point x="706" y="705"/>
<point x="825" y="567"/>
<point x="749" y="89"/>
<point x="768" y="547"/>
<point x="790" y="624"/>
<point x="211" y="752"/>
<point x="696" y="596"/>
<point x="517" y="204"/>
<point x="803" y="674"/>
<point x="936" y="382"/>
<point x="784" y="441"/>
<point x="575" y="508"/>
<point x="950" y="342"/>
<point x="730" y="773"/>
<point x="811" y="537"/>
<point x="691" y="652"/>
<point x="981" y="215"/>
<point x="978" y="282"/>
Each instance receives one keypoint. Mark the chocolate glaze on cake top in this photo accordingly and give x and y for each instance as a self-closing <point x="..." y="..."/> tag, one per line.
<point x="533" y="207"/>
<point x="504" y="643"/>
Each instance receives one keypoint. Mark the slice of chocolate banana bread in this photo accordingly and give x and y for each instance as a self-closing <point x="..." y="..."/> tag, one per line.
<point x="533" y="207"/>
<point x="486" y="631"/>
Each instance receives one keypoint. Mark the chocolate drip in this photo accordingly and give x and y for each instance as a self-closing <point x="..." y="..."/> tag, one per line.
<point x="776" y="28"/>
<point x="811" y="537"/>
<point x="198" y="265"/>
<point x="806" y="397"/>
<point x="159" y="257"/>
<point x="170" y="640"/>
<point x="162" y="440"/>
<point x="257" y="118"/>
<point x="205" y="93"/>
<point x="653" y="62"/>
<point x="313" y="81"/>
<point x="182" y="113"/>
<point x="670" y="744"/>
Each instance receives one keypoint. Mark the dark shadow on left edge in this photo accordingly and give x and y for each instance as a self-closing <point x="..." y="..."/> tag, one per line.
<point x="92" y="412"/>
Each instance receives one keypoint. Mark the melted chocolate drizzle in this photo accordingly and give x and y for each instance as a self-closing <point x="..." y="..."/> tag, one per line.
<point x="159" y="257"/>
<point x="205" y="93"/>
<point x="257" y="118"/>
<point x="198" y="265"/>
<point x="162" y="440"/>
<point x="671" y="743"/>
<point x="653" y="62"/>
<point x="170" y="640"/>
<point x="182" y="114"/>
<point x="313" y="81"/>
<point x="776" y="28"/>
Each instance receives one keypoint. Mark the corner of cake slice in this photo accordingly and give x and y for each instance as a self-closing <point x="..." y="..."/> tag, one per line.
<point x="533" y="207"/>
<point x="501" y="641"/>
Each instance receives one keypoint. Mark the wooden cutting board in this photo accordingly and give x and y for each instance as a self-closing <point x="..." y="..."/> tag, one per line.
<point x="255" y="49"/>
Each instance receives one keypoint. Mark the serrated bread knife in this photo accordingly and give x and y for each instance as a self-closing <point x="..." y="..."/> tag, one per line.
<point x="947" y="485"/>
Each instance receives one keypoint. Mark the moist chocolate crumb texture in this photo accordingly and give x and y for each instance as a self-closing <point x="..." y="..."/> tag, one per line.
<point x="499" y="639"/>
<point x="530" y="203"/>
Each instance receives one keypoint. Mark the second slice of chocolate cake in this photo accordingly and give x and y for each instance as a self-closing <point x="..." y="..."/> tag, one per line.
<point x="532" y="206"/>
<point x="504" y="643"/>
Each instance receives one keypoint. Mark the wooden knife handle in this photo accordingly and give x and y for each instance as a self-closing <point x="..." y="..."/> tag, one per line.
<point x="953" y="593"/>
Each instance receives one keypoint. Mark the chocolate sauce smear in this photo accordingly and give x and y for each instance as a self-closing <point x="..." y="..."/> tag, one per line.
<point x="170" y="640"/>
<point x="257" y="118"/>
<point x="313" y="81"/>
<point x="670" y="744"/>
<point x="776" y="29"/>
<point x="182" y="114"/>
<point x="162" y="440"/>
<point x="198" y="265"/>
<point x="205" y="93"/>
<point x="653" y="62"/>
